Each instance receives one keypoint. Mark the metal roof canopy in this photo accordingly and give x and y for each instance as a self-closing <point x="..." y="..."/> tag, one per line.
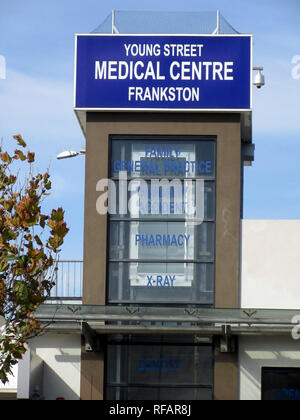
<point x="171" y="320"/>
<point x="151" y="22"/>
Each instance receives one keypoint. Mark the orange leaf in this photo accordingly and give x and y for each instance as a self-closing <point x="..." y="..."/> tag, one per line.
<point x="20" y="140"/>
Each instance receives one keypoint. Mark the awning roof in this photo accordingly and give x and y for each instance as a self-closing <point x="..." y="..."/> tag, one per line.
<point x="173" y="320"/>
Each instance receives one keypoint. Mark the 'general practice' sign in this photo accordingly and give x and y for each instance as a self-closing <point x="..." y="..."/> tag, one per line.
<point x="162" y="72"/>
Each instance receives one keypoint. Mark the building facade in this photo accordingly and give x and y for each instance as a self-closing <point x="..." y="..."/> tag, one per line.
<point x="53" y="362"/>
<point x="174" y="306"/>
<point x="154" y="257"/>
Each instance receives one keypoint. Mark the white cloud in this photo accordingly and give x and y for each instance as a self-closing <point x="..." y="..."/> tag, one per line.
<point x="2" y="67"/>
<point x="276" y="107"/>
<point x="40" y="109"/>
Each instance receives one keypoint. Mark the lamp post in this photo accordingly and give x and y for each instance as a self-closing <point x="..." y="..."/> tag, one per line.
<point x="67" y="154"/>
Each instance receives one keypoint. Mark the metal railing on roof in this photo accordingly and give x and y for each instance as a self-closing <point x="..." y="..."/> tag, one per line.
<point x="68" y="280"/>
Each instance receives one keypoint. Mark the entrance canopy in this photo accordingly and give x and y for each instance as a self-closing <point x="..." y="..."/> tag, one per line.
<point x="171" y="320"/>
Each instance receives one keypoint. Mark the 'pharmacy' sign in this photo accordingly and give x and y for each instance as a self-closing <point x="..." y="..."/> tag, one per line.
<point x="162" y="72"/>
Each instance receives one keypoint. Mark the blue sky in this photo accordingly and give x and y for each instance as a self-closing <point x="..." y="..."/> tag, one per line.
<point x="36" y="99"/>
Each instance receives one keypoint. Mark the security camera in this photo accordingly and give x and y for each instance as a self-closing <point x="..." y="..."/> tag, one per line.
<point x="259" y="80"/>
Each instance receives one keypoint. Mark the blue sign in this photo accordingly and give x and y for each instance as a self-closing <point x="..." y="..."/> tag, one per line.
<point x="160" y="365"/>
<point x="143" y="72"/>
<point x="162" y="240"/>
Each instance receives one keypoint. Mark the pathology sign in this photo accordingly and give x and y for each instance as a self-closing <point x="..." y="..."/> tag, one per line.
<point x="161" y="72"/>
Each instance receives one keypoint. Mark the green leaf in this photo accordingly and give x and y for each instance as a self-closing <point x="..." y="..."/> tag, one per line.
<point x="19" y="155"/>
<point x="57" y="215"/>
<point x="5" y="157"/>
<point x="20" y="140"/>
<point x="3" y="377"/>
<point x="30" y="157"/>
<point x="3" y="266"/>
<point x="21" y="291"/>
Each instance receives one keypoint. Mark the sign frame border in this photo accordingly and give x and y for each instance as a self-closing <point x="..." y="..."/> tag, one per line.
<point x="167" y="110"/>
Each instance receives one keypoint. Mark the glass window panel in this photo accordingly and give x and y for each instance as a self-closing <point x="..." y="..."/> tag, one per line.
<point x="159" y="339"/>
<point x="161" y="241"/>
<point x="186" y="394"/>
<point x="160" y="365"/>
<point x="150" y="204"/>
<point x="161" y="283"/>
<point x="187" y="165"/>
<point x="158" y="394"/>
<point x="163" y="158"/>
<point x="280" y="384"/>
<point x="131" y="394"/>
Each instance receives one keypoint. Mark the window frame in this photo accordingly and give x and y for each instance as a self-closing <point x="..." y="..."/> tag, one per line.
<point x="210" y="179"/>
<point x="130" y="345"/>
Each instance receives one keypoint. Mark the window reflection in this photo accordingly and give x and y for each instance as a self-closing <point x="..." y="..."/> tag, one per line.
<point x="156" y="255"/>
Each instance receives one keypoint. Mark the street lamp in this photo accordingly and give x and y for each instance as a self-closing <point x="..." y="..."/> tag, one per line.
<point x="70" y="154"/>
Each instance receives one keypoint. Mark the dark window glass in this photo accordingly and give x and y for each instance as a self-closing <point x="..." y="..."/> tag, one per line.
<point x="161" y="372"/>
<point x="281" y="384"/>
<point x="158" y="394"/>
